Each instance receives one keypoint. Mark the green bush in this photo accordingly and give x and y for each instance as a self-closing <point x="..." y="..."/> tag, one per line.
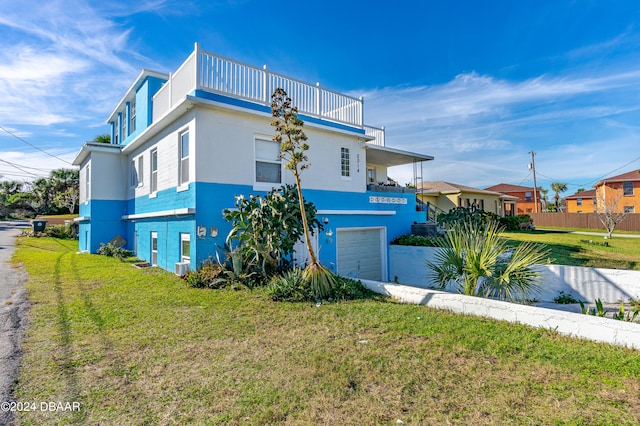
<point x="414" y="240"/>
<point x="58" y="231"/>
<point x="292" y="287"/>
<point x="512" y="223"/>
<point x="211" y="274"/>
<point x="110" y="250"/>
<point x="473" y="216"/>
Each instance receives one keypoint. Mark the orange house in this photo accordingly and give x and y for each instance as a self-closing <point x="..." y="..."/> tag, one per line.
<point x="582" y="202"/>
<point x="525" y="203"/>
<point x="619" y="193"/>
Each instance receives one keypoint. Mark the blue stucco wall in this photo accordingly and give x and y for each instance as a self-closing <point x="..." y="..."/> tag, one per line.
<point x="104" y="224"/>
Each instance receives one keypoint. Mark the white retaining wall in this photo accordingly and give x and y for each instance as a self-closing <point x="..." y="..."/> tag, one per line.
<point x="576" y="325"/>
<point x="407" y="266"/>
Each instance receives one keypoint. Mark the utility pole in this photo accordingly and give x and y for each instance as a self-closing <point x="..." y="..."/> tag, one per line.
<point x="535" y="186"/>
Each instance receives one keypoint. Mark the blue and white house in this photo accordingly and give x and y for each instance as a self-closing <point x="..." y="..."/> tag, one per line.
<point x="184" y="144"/>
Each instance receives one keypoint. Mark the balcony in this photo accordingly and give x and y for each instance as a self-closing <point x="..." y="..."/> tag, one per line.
<point x="205" y="71"/>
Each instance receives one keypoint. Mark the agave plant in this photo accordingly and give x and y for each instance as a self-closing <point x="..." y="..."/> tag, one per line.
<point x="476" y="261"/>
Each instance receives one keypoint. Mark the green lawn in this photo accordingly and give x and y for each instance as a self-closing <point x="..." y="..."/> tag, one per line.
<point x="585" y="250"/>
<point x="139" y="347"/>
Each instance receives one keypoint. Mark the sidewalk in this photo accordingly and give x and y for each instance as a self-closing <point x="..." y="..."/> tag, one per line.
<point x="595" y="234"/>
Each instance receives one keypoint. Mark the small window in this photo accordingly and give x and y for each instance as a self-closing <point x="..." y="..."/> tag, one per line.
<point x="134" y="174"/>
<point x="629" y="209"/>
<point x="268" y="161"/>
<point x="184" y="158"/>
<point x="154" y="249"/>
<point x="627" y="189"/>
<point x="371" y="175"/>
<point x="140" y="170"/>
<point x="528" y="196"/>
<point x="154" y="170"/>
<point x="132" y="119"/>
<point x="579" y="201"/>
<point x="344" y="162"/>
<point x="185" y="248"/>
<point x="87" y="183"/>
<point x="124" y="126"/>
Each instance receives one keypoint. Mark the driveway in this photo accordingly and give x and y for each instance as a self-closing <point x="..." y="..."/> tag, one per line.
<point x="13" y="313"/>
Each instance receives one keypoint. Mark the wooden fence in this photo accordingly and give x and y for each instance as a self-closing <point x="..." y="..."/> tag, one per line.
<point x="582" y="220"/>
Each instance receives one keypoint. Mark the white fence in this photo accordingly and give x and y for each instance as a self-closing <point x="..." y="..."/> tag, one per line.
<point x="407" y="266"/>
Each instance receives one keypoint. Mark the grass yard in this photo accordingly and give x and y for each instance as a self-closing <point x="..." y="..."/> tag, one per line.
<point x="140" y="347"/>
<point x="575" y="249"/>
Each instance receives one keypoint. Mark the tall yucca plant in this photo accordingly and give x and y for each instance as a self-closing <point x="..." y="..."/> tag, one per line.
<point x="292" y="140"/>
<point x="478" y="262"/>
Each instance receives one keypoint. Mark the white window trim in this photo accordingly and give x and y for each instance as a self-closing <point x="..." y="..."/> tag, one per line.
<point x="184" y="236"/>
<point x="182" y="186"/>
<point x="349" y="163"/>
<point x="154" y="235"/>
<point x="140" y="169"/>
<point x="153" y="193"/>
<point x="266" y="186"/>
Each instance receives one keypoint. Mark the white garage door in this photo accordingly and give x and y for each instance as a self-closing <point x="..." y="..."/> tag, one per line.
<point x="360" y="253"/>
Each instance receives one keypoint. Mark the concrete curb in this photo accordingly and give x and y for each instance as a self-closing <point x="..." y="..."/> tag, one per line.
<point x="594" y="328"/>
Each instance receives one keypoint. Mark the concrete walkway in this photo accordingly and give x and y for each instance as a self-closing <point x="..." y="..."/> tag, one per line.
<point x="13" y="313"/>
<point x="595" y="234"/>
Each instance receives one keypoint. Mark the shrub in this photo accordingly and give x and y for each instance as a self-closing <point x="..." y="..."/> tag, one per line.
<point x="292" y="286"/>
<point x="473" y="216"/>
<point x="512" y="223"/>
<point x="113" y="251"/>
<point x="211" y="274"/>
<point x="414" y="240"/>
<point x="58" y="231"/>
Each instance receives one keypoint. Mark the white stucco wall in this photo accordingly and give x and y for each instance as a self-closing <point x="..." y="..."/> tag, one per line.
<point x="577" y="325"/>
<point x="407" y="266"/>
<point x="107" y="176"/>
<point x="225" y="151"/>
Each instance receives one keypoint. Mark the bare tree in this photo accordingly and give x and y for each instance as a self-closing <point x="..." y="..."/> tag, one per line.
<point x="608" y="210"/>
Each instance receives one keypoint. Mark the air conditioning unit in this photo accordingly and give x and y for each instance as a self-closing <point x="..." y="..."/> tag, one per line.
<point x="182" y="268"/>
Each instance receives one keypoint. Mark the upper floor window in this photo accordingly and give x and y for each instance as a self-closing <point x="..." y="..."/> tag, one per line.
<point x="134" y="174"/>
<point x="344" y="162"/>
<point x="132" y="118"/>
<point x="629" y="209"/>
<point x="154" y="170"/>
<point x="124" y="126"/>
<point x="87" y="183"/>
<point x="140" y="170"/>
<point x="528" y="196"/>
<point x="184" y="158"/>
<point x="268" y="161"/>
<point x="627" y="188"/>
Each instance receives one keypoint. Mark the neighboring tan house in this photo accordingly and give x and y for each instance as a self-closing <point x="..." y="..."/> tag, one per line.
<point x="447" y="196"/>
<point x="621" y="192"/>
<point x="524" y="195"/>
<point x="185" y="144"/>
<point x="582" y="202"/>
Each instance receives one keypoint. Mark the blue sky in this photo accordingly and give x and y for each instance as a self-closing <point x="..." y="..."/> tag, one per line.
<point x="476" y="84"/>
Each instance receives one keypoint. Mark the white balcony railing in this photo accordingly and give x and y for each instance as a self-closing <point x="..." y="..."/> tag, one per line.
<point x="378" y="134"/>
<point x="216" y="74"/>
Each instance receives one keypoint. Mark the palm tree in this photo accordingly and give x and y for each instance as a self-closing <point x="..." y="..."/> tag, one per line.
<point x="558" y="187"/>
<point x="545" y="198"/>
<point x="480" y="263"/>
<point x="102" y="139"/>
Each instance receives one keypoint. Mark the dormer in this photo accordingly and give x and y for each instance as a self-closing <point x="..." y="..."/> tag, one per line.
<point x="134" y="112"/>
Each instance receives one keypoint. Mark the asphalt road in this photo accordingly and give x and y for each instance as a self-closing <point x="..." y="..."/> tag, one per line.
<point x="13" y="314"/>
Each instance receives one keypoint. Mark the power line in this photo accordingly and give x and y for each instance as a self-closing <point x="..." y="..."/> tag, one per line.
<point x="34" y="146"/>
<point x="614" y="170"/>
<point x="19" y="168"/>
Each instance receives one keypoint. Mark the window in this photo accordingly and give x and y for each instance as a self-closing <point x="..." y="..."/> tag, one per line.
<point x="184" y="158"/>
<point x="481" y="204"/>
<point x="627" y="189"/>
<point x="132" y="119"/>
<point x="134" y="174"/>
<point x="140" y="170"/>
<point x="268" y="162"/>
<point x="629" y="209"/>
<point x="579" y="201"/>
<point x="154" y="170"/>
<point x="371" y="175"/>
<point x="87" y="183"/>
<point x="124" y="125"/>
<point x="528" y="196"/>
<point x="154" y="249"/>
<point x="185" y="248"/>
<point x="344" y="162"/>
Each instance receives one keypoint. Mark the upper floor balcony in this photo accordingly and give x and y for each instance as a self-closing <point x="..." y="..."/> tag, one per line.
<point x="211" y="73"/>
